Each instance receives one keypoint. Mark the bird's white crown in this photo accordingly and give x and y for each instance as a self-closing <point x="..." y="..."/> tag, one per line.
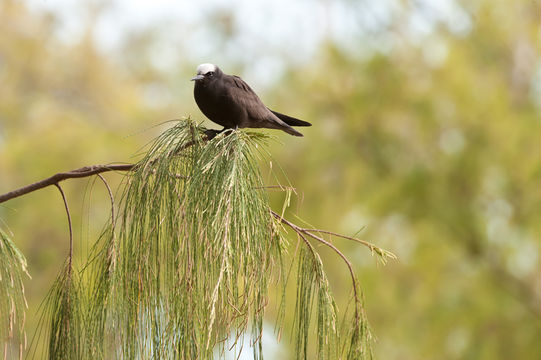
<point x="205" y="68"/>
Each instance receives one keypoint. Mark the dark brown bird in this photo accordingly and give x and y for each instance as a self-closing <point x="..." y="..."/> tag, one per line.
<point x="227" y="100"/>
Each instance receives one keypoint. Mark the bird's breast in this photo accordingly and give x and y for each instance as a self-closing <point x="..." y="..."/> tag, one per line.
<point x="215" y="103"/>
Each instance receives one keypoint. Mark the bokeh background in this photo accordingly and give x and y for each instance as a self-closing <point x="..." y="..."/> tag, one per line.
<point x="426" y="137"/>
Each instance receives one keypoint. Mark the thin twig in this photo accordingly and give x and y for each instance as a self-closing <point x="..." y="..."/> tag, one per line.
<point x="279" y="187"/>
<point x="301" y="232"/>
<point x="384" y="253"/>
<point x="56" y="178"/>
<point x="112" y="202"/>
<point x="69" y="225"/>
<point x="80" y="173"/>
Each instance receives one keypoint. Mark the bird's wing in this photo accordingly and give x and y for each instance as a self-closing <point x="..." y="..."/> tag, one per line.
<point x="291" y="121"/>
<point x="247" y="99"/>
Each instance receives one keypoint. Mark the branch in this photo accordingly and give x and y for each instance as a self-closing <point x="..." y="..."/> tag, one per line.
<point x="98" y="169"/>
<point x="383" y="254"/>
<point x="56" y="178"/>
<point x="111" y="197"/>
<point x="302" y="232"/>
<point x="69" y="225"/>
<point x="78" y="173"/>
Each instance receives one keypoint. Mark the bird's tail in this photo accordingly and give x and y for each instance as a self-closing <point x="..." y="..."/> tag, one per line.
<point x="291" y="131"/>
<point x="291" y="121"/>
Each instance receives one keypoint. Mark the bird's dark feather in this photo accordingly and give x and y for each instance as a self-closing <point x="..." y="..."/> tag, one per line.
<point x="291" y="121"/>
<point x="241" y="92"/>
<point x="241" y="84"/>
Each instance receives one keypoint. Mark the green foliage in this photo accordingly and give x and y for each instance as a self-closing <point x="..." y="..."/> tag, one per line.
<point x="197" y="234"/>
<point x="64" y="317"/>
<point x="312" y="282"/>
<point x="185" y="270"/>
<point x="12" y="300"/>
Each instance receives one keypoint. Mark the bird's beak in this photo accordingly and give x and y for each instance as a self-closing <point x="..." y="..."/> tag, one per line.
<point x="198" y="77"/>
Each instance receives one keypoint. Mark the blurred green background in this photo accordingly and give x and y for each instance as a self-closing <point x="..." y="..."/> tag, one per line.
<point x="426" y="132"/>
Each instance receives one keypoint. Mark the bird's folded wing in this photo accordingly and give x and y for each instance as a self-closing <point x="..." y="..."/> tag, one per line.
<point x="248" y="99"/>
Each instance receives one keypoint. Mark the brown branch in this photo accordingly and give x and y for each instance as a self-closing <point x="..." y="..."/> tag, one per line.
<point x="69" y="225"/>
<point x="112" y="202"/>
<point x="302" y="232"/>
<point x="84" y="172"/>
<point x="381" y="252"/>
<point x="56" y="178"/>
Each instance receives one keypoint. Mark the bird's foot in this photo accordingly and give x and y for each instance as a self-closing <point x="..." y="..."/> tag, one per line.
<point x="211" y="133"/>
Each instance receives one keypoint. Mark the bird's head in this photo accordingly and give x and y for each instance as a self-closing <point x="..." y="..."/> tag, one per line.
<point x="206" y="73"/>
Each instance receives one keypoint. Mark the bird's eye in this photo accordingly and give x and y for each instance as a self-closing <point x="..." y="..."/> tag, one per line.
<point x="210" y="73"/>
